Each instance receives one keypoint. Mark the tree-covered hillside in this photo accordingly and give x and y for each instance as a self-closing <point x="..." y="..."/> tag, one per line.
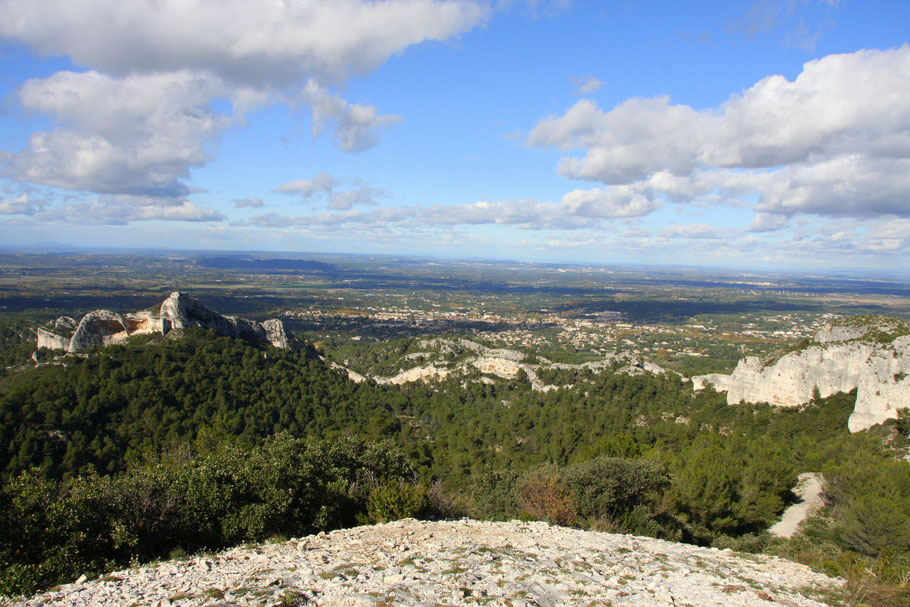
<point x="201" y="442"/>
<point x="93" y="413"/>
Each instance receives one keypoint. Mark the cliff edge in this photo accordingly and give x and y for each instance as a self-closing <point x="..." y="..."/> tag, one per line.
<point x="868" y="353"/>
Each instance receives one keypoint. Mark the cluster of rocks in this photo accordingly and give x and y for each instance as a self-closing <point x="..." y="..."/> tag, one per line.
<point x="870" y="355"/>
<point x="459" y="563"/>
<point x="179" y="311"/>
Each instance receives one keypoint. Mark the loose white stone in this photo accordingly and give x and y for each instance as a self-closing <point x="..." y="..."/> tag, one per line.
<point x="472" y="562"/>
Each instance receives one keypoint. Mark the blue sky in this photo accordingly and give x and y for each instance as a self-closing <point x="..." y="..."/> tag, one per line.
<point x="756" y="134"/>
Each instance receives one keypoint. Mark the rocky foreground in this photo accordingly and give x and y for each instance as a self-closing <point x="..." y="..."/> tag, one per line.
<point x="459" y="563"/>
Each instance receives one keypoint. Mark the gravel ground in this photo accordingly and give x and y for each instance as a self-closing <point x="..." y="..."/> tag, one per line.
<point x="458" y="563"/>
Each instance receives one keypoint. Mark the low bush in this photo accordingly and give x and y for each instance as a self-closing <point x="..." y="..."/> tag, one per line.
<point x="495" y="495"/>
<point x="545" y="497"/>
<point x="613" y="486"/>
<point x="394" y="500"/>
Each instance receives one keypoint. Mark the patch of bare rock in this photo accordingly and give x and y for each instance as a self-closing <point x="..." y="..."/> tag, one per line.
<point x="459" y="563"/>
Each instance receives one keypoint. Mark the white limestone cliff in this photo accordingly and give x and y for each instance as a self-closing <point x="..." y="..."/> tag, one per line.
<point x="178" y="311"/>
<point x="869" y="354"/>
<point x="59" y="337"/>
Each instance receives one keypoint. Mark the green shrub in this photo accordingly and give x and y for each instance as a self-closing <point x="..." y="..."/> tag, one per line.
<point x="445" y="504"/>
<point x="394" y="500"/>
<point x="706" y="489"/>
<point x="612" y="487"/>
<point x="52" y="531"/>
<point x="494" y="495"/>
<point x="871" y="505"/>
<point x="753" y="543"/>
<point x="55" y="531"/>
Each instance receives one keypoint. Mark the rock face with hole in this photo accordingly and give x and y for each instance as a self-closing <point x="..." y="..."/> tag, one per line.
<point x="869" y="354"/>
<point x="179" y="311"/>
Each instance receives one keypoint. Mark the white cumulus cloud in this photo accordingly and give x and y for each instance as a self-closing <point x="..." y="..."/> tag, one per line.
<point x="768" y="222"/>
<point x="362" y="196"/>
<point x="117" y="210"/>
<point x="251" y="203"/>
<point x="834" y="141"/>
<point x="586" y="85"/>
<point x="610" y="202"/>
<point x="141" y="115"/>
<point x="259" y="44"/>
<point x="21" y="205"/>
<point x="356" y="125"/>
<point x="691" y="230"/>
<point x="326" y="186"/>
<point x="139" y="134"/>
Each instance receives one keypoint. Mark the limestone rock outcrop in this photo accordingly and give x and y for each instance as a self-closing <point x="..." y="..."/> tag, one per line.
<point x="59" y="337"/>
<point x="179" y="311"/>
<point x="870" y="354"/>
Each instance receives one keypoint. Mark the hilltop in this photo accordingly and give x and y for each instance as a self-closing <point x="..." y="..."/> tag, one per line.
<point x="465" y="562"/>
<point x="207" y="442"/>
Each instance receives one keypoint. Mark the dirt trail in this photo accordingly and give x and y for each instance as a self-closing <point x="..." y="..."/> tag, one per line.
<point x="809" y="491"/>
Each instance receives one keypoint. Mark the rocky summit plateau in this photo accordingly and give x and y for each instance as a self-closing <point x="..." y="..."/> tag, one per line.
<point x="465" y="562"/>
<point x="870" y="354"/>
<point x="178" y="311"/>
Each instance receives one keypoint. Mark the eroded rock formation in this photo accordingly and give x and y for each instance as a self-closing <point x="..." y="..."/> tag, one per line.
<point x="179" y="311"/>
<point x="870" y="354"/>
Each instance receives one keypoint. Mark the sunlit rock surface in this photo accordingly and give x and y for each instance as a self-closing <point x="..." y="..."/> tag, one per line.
<point x="463" y="562"/>
<point x="870" y="354"/>
<point x="179" y="311"/>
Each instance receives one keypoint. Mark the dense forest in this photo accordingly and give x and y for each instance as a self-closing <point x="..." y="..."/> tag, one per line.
<point x="135" y="451"/>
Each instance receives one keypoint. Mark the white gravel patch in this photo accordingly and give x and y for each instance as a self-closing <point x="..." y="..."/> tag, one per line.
<point x="459" y="563"/>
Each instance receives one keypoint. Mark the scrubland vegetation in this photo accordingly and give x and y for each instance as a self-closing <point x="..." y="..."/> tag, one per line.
<point x="165" y="447"/>
<point x="161" y="445"/>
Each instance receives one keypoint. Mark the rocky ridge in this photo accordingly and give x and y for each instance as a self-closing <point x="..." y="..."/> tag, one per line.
<point x="459" y="563"/>
<point x="178" y="311"/>
<point x="493" y="363"/>
<point x="869" y="354"/>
